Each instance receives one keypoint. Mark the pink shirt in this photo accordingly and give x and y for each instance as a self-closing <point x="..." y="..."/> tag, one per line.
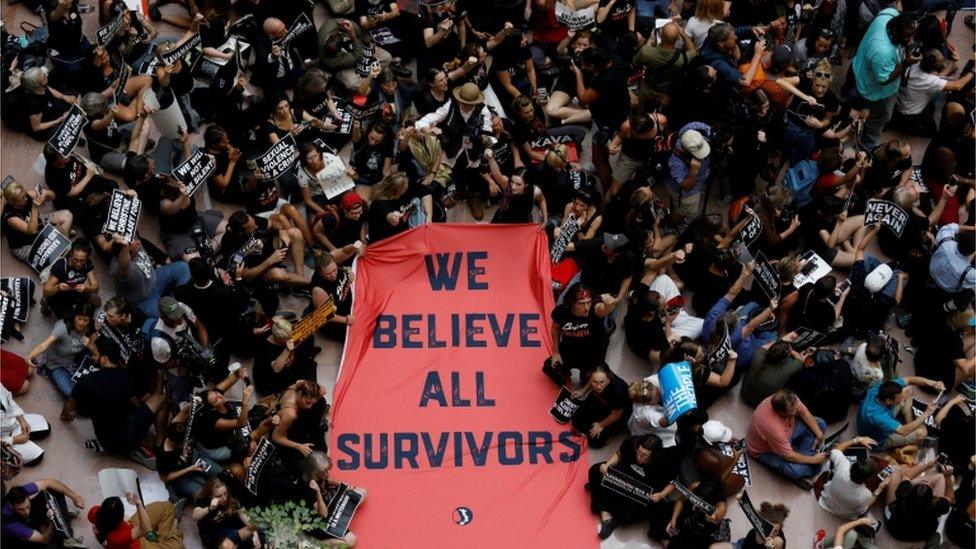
<point x="770" y="432"/>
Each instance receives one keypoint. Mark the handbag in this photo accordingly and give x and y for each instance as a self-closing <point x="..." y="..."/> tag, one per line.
<point x="12" y="462"/>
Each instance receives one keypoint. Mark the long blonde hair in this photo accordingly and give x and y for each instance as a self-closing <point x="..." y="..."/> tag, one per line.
<point x="389" y="187"/>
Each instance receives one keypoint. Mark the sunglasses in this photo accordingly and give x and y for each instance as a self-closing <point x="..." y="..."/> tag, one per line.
<point x="819" y="74"/>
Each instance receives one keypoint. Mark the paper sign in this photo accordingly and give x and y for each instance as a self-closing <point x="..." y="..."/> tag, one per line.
<point x="806" y="338"/>
<point x="194" y="171"/>
<point x="313" y="321"/>
<point x="766" y="277"/>
<point x="564" y="406"/>
<point x="763" y="527"/>
<point x="66" y="137"/>
<point x="751" y="231"/>
<point x="123" y="216"/>
<point x="48" y="246"/>
<point x="567" y="233"/>
<point x="278" y="159"/>
<point x="627" y="486"/>
<point x="741" y="467"/>
<point x="677" y="390"/>
<point x="890" y="215"/>
<point x="333" y="177"/>
<point x="575" y="20"/>
<point x="341" y="510"/>
<point x="814" y="265"/>
<point x="262" y="456"/>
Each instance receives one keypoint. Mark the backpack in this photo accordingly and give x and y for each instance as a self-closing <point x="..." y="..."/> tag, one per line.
<point x="12" y="109"/>
<point x="825" y="387"/>
<point x="800" y="179"/>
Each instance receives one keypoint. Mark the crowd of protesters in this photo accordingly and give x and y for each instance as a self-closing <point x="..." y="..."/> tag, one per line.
<point x="675" y="150"/>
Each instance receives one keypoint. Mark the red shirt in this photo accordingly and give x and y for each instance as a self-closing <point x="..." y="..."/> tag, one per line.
<point x="951" y="212"/>
<point x="545" y="27"/>
<point x="121" y="538"/>
<point x="770" y="432"/>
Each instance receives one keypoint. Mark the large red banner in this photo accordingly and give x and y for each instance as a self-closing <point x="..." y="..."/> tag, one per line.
<point x="441" y="410"/>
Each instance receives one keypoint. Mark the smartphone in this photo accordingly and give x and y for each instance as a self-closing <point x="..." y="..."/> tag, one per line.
<point x="842" y="287"/>
<point x="203" y="465"/>
<point x="943" y="459"/>
<point x="885" y="473"/>
<point x="85" y="8"/>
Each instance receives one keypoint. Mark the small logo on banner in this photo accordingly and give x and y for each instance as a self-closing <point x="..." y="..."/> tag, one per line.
<point x="463" y="516"/>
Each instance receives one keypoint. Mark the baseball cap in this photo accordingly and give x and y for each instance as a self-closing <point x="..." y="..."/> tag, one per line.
<point x="350" y="201"/>
<point x="782" y="57"/>
<point x="714" y="431"/>
<point x="676" y="302"/>
<point x="614" y="241"/>
<point x="693" y="142"/>
<point x="170" y="308"/>
<point x="878" y="278"/>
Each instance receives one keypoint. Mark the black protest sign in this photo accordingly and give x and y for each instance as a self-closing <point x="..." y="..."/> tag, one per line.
<point x="179" y="52"/>
<point x="225" y="79"/>
<point x="918" y="408"/>
<point x="59" y="509"/>
<point x="751" y="231"/>
<point x="125" y="73"/>
<point x="888" y="213"/>
<point x="766" y="276"/>
<point x="367" y="60"/>
<point x="299" y="27"/>
<point x="717" y="357"/>
<point x="341" y="510"/>
<point x="237" y="259"/>
<point x="6" y="316"/>
<point x="194" y="171"/>
<point x="693" y="499"/>
<point x="564" y="406"/>
<point x="627" y="486"/>
<point x="48" y="246"/>
<point x="278" y="159"/>
<point x="195" y="406"/>
<point x="262" y="456"/>
<point x="741" y="467"/>
<point x="123" y="216"/>
<point x="342" y="118"/>
<point x="86" y="367"/>
<point x="65" y="138"/>
<point x="125" y="348"/>
<point x="110" y="30"/>
<point x="566" y="235"/>
<point x="763" y="527"/>
<point x="20" y="290"/>
<point x="806" y="338"/>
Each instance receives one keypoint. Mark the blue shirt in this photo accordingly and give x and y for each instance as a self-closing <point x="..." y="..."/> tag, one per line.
<point x="951" y="270"/>
<point x="679" y="162"/>
<point x="743" y="346"/>
<point x="876" y="420"/>
<point x="877" y="57"/>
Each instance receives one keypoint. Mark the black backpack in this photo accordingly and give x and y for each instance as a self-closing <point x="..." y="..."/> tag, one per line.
<point x="825" y="386"/>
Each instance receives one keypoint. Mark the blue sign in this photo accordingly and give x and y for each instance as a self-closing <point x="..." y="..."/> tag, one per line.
<point x="677" y="389"/>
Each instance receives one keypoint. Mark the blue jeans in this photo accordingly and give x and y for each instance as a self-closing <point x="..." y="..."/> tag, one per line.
<point x="61" y="379"/>
<point x="190" y="484"/>
<point x="802" y="442"/>
<point x="221" y="454"/>
<point x="797" y="141"/>
<point x="168" y="277"/>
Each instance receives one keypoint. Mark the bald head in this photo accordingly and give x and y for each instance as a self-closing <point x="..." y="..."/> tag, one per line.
<point x="670" y="33"/>
<point x="274" y="27"/>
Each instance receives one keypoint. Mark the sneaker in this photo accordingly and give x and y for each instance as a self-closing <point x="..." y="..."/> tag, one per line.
<point x="144" y="457"/>
<point x="451" y="197"/>
<point x="74" y="542"/>
<point x="92" y="444"/>
<point x="555" y="375"/>
<point x="803" y="484"/>
<point x="607" y="527"/>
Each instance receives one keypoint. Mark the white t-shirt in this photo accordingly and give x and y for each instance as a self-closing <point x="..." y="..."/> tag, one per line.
<point x="697" y="29"/>
<point x="161" y="350"/>
<point x="865" y="373"/>
<point x="646" y="417"/>
<point x="921" y="88"/>
<point x="842" y="497"/>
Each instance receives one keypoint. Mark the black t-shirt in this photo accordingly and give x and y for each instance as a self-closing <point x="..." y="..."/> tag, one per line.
<point x="599" y="274"/>
<point x="798" y="109"/>
<point x="712" y="288"/>
<point x="581" y="339"/>
<point x="614" y="397"/>
<point x="263" y="197"/>
<point x="205" y="429"/>
<point x="643" y="336"/>
<point x="340" y="229"/>
<point x="64" y="272"/>
<point x="233" y="241"/>
<point x="656" y="473"/>
<point x="368" y="160"/>
<point x="426" y="103"/>
<point x="379" y="227"/>
<point x="17" y="239"/>
<point x="918" y="525"/>
<point x="613" y="104"/>
<point x="60" y="179"/>
<point x="340" y="289"/>
<point x="169" y="461"/>
<point x="46" y="105"/>
<point x="510" y="57"/>
<point x="106" y="397"/>
<point x="616" y="21"/>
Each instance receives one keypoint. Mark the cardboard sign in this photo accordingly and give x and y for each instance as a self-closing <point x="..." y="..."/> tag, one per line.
<point x="299" y="27"/>
<point x="20" y="291"/>
<point x="313" y="321"/>
<point x="890" y="215"/>
<point x="677" y="390"/>
<point x="627" y="486"/>
<point x="751" y="231"/>
<point x="6" y="316"/>
<point x="567" y="232"/>
<point x="575" y="19"/>
<point x="341" y="510"/>
<point x="58" y="509"/>
<point x="763" y="527"/>
<point x="194" y="171"/>
<point x="179" y="52"/>
<point x="741" y="467"/>
<point x="717" y="357"/>
<point x="806" y="338"/>
<point x="693" y="499"/>
<point x="278" y="159"/>
<point x="48" y="246"/>
<point x="66" y="137"/>
<point x="333" y="177"/>
<point x="262" y="456"/>
<point x="123" y="216"/>
<point x="766" y="277"/>
<point x="110" y="30"/>
<point x="125" y="73"/>
<point x="831" y="439"/>
<point x="125" y="349"/>
<point x="565" y="406"/>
